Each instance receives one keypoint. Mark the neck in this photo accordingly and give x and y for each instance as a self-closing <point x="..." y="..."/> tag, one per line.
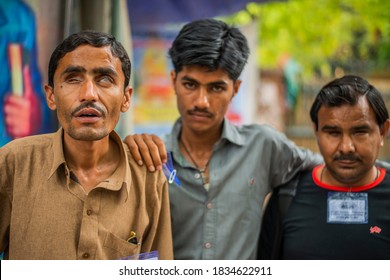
<point x="91" y="161"/>
<point x="200" y="141"/>
<point x="327" y="177"/>
<point x="196" y="149"/>
<point x="86" y="154"/>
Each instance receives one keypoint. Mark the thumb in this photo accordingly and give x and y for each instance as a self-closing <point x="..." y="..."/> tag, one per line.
<point x="28" y="91"/>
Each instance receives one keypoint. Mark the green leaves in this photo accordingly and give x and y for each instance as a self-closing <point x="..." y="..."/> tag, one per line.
<point x="322" y="35"/>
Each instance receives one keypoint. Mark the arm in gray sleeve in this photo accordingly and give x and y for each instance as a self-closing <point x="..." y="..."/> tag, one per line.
<point x="383" y="164"/>
<point x="288" y="159"/>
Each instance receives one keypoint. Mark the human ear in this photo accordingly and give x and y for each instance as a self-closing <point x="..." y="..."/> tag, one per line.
<point x="384" y="130"/>
<point x="236" y="87"/>
<point x="50" y="98"/>
<point x="126" y="99"/>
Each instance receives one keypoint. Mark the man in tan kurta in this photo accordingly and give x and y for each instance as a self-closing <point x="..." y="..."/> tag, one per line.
<point x="77" y="193"/>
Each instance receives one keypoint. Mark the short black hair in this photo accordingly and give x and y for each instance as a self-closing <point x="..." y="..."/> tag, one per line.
<point x="210" y="43"/>
<point x="347" y="91"/>
<point x="92" y="38"/>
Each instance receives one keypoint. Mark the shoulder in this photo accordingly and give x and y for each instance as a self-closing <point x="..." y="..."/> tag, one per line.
<point x="289" y="188"/>
<point x="24" y="155"/>
<point x="386" y="177"/>
<point x="29" y="144"/>
<point x="152" y="184"/>
<point x="261" y="134"/>
<point x="264" y="129"/>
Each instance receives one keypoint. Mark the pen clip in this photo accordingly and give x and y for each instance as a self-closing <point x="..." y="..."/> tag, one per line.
<point x="132" y="238"/>
<point x="169" y="171"/>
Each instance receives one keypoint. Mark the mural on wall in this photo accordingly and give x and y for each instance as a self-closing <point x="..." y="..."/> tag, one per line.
<point x="23" y="109"/>
<point x="154" y="98"/>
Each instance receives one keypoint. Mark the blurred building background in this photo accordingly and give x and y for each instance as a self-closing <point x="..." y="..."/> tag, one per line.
<point x="296" y="47"/>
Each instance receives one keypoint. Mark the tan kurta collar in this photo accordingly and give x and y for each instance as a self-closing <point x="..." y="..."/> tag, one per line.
<point x="121" y="176"/>
<point x="58" y="151"/>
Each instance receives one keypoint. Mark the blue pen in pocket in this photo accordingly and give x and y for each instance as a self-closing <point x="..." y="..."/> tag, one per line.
<point x="170" y="171"/>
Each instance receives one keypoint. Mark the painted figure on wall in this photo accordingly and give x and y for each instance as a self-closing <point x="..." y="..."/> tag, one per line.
<point x="22" y="102"/>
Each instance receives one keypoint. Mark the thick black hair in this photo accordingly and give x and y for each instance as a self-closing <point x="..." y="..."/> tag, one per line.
<point x="347" y="91"/>
<point x="210" y="43"/>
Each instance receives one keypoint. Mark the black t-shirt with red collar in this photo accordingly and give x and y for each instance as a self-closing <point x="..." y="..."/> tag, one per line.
<point x="329" y="222"/>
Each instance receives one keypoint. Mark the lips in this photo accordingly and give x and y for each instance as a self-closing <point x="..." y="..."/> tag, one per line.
<point x="200" y="114"/>
<point x="347" y="163"/>
<point x="88" y="113"/>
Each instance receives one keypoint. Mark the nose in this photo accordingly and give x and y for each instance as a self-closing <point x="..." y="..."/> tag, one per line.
<point x="88" y="91"/>
<point x="346" y="146"/>
<point x="202" y="100"/>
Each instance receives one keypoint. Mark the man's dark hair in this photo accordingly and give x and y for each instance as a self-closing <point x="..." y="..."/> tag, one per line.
<point x="94" y="39"/>
<point x="347" y="91"/>
<point x="210" y="43"/>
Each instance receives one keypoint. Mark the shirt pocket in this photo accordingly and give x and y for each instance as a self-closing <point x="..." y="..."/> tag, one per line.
<point x="118" y="248"/>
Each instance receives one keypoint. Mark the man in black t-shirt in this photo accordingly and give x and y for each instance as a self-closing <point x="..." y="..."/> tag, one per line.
<point x="339" y="210"/>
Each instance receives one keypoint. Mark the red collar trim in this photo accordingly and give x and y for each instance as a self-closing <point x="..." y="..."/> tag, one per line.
<point x="382" y="173"/>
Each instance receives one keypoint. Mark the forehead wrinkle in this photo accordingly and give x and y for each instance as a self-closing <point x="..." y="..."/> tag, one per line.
<point x="105" y="70"/>
<point x="352" y="116"/>
<point x="80" y="69"/>
<point x="73" y="69"/>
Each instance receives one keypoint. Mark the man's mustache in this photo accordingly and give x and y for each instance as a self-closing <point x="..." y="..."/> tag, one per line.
<point x="89" y="104"/>
<point x="351" y="157"/>
<point x="201" y="111"/>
